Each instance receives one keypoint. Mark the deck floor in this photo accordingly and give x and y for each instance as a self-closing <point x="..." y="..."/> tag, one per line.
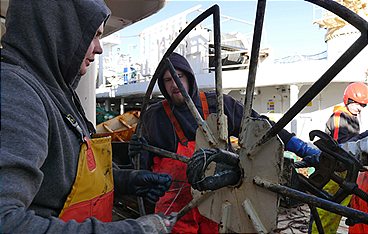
<point x="296" y="220"/>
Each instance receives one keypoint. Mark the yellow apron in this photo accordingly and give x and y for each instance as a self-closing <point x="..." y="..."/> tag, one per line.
<point x="93" y="189"/>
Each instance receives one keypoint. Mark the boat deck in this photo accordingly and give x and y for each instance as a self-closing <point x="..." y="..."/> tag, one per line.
<point x="296" y="220"/>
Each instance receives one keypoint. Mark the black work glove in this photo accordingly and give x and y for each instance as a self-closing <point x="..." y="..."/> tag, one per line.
<point x="227" y="171"/>
<point x="148" y="184"/>
<point x="157" y="223"/>
<point x="136" y="145"/>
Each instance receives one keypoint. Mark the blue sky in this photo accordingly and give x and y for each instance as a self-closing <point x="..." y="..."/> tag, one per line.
<point x="288" y="25"/>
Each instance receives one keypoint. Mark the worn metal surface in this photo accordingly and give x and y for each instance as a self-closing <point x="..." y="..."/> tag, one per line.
<point x="222" y="119"/>
<point x="335" y="164"/>
<point x="253" y="216"/>
<point x="165" y="154"/>
<point x="267" y="163"/>
<point x="316" y="219"/>
<point x="193" y="203"/>
<point x="257" y="35"/>
<point x="225" y="217"/>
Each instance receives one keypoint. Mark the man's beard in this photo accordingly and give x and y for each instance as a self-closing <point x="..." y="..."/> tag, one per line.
<point x="178" y="100"/>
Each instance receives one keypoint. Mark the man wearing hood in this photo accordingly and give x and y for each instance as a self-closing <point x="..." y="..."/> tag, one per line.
<point x="56" y="178"/>
<point x="170" y="125"/>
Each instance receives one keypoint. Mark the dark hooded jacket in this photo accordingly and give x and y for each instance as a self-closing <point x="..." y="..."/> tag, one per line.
<point x="158" y="129"/>
<point x="43" y="48"/>
<point x="342" y="125"/>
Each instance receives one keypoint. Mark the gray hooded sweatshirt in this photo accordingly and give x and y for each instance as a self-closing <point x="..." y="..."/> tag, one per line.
<point x="43" y="48"/>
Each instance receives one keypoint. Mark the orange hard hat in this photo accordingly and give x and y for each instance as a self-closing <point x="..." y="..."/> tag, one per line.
<point x="358" y="92"/>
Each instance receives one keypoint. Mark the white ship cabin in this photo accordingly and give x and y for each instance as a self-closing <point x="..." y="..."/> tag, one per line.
<point x="279" y="82"/>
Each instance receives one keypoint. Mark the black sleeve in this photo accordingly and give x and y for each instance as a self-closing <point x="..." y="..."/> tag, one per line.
<point x="121" y="180"/>
<point x="146" y="160"/>
<point x="148" y="132"/>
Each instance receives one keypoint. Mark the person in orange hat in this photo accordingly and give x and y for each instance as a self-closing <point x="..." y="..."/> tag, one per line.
<point x="343" y="126"/>
<point x="344" y="123"/>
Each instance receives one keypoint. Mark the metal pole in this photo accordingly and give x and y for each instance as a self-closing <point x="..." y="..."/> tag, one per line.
<point x="221" y="118"/>
<point x="165" y="153"/>
<point x="312" y="200"/>
<point x="256" y="43"/>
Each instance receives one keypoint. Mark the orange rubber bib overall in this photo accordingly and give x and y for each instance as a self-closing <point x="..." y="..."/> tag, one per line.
<point x="179" y="193"/>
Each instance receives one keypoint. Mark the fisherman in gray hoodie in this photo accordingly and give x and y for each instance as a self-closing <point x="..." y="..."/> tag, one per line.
<point x="56" y="178"/>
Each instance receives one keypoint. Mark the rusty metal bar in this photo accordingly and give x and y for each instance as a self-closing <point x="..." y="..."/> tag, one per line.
<point x="256" y="43"/>
<point x="221" y="118"/>
<point x="193" y="109"/>
<point x="165" y="153"/>
<point x="316" y="218"/>
<point x="253" y="216"/>
<point x="225" y="213"/>
<point x="313" y="200"/>
<point x="193" y="203"/>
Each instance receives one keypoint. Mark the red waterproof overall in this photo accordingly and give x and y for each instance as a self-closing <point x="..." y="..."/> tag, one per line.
<point x="359" y="204"/>
<point x="92" y="193"/>
<point x="179" y="193"/>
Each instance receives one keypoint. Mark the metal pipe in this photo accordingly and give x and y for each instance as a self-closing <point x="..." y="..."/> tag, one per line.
<point x="317" y="219"/>
<point x="253" y="216"/>
<point x="312" y="200"/>
<point x="193" y="203"/>
<point x="256" y="43"/>
<point x="165" y="153"/>
<point x="313" y="189"/>
<point x="221" y="118"/>
<point x="225" y="214"/>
